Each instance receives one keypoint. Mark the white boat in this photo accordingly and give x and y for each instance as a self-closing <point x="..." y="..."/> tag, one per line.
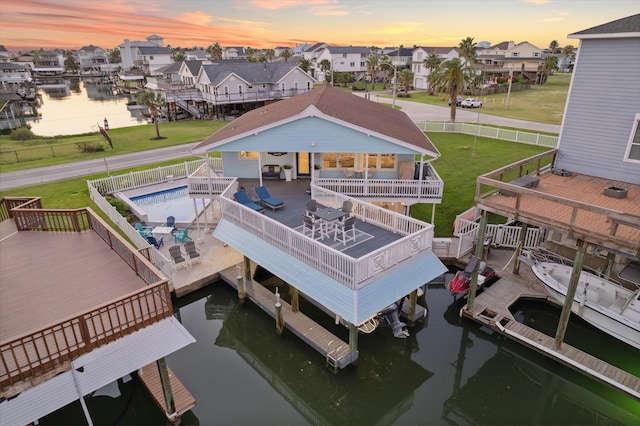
<point x="604" y="304"/>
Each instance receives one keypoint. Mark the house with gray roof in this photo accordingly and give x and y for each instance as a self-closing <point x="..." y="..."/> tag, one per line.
<point x="420" y="70"/>
<point x="366" y="154"/>
<point x="345" y="59"/>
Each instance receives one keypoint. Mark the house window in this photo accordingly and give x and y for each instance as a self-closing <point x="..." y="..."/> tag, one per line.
<point x="419" y="56"/>
<point x="352" y="64"/>
<point x="308" y="85"/>
<point x="514" y="54"/>
<point x="342" y="160"/>
<point x="344" y="55"/>
<point x="295" y="85"/>
<point x="226" y="90"/>
<point x="248" y="155"/>
<point x="282" y="86"/>
<point x="387" y="161"/>
<point x="633" y="149"/>
<point x="240" y="89"/>
<point x="536" y="54"/>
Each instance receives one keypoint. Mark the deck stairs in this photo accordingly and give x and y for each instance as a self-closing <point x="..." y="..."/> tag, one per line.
<point x="187" y="107"/>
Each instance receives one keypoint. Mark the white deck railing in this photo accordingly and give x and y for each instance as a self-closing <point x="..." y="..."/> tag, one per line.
<point x="389" y="188"/>
<point x="154" y="176"/>
<point x="353" y="273"/>
<point x="501" y="235"/>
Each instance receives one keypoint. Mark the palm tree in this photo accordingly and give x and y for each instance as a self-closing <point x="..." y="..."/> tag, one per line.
<point x="215" y="50"/>
<point x="431" y="62"/>
<point x="405" y="79"/>
<point x="386" y="68"/>
<point x="304" y="65"/>
<point x="114" y="56"/>
<point x="154" y="101"/>
<point x="372" y="69"/>
<point x="270" y="54"/>
<point x="550" y="64"/>
<point x="325" y="66"/>
<point x="467" y="50"/>
<point x="286" y="54"/>
<point x="178" y="56"/>
<point x="451" y="77"/>
<point x="553" y="46"/>
<point x="567" y="50"/>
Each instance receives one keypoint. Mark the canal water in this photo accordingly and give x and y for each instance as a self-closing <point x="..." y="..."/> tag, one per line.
<point x="70" y="106"/>
<point x="449" y="371"/>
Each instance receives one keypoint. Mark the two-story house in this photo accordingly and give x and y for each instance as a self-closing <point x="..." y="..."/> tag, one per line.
<point x="367" y="156"/>
<point x="420" y="70"/>
<point x="48" y="63"/>
<point x="345" y="59"/>
<point x="235" y="87"/>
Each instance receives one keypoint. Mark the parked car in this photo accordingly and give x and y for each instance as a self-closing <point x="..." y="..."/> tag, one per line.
<point x="471" y="103"/>
<point x="459" y="100"/>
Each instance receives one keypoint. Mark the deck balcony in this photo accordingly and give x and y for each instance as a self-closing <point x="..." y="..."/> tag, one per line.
<point x="54" y="307"/>
<point x="574" y="206"/>
<point x="396" y="237"/>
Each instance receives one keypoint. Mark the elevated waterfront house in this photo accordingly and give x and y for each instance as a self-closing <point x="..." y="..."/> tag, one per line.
<point x="367" y="154"/>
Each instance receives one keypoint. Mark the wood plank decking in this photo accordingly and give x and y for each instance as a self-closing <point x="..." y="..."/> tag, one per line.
<point x="302" y="326"/>
<point x="183" y="399"/>
<point x="491" y="308"/>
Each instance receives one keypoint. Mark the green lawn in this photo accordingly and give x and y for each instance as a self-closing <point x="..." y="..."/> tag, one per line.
<point x="125" y="140"/>
<point x="458" y="167"/>
<point x="543" y="103"/>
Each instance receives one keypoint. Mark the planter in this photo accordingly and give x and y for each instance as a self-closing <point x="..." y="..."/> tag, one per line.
<point x="287" y="175"/>
<point x="615" y="192"/>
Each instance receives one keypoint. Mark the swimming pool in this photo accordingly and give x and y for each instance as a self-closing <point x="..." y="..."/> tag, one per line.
<point x="154" y="207"/>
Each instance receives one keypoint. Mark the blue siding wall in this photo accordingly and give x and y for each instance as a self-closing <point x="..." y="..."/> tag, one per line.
<point x="298" y="136"/>
<point x="602" y="103"/>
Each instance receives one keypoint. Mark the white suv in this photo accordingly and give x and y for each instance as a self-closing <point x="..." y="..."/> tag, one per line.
<point x="471" y="103"/>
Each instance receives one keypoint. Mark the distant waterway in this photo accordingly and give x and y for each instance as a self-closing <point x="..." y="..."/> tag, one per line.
<point x="449" y="371"/>
<point x="71" y="106"/>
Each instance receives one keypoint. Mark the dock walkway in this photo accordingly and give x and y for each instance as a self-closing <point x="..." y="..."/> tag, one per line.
<point x="182" y="398"/>
<point x="491" y="308"/>
<point x="298" y="323"/>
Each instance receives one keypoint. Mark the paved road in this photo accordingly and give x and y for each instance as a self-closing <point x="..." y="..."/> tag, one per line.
<point x="415" y="110"/>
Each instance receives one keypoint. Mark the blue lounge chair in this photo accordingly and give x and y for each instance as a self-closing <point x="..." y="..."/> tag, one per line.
<point x="145" y="231"/>
<point x="243" y="199"/>
<point x="156" y="242"/>
<point x="181" y="235"/>
<point x="267" y="200"/>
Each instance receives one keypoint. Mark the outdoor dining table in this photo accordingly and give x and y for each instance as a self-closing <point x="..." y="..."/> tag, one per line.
<point x="329" y="215"/>
<point x="162" y="230"/>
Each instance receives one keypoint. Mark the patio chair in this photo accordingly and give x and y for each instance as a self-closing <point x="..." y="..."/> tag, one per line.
<point x="181" y="235"/>
<point x="145" y="231"/>
<point x="179" y="262"/>
<point x="311" y="206"/>
<point x="155" y="242"/>
<point x="312" y="226"/>
<point x="243" y="199"/>
<point x="347" y="207"/>
<point x="344" y="228"/>
<point x="193" y="256"/>
<point x="171" y="222"/>
<point x="267" y="200"/>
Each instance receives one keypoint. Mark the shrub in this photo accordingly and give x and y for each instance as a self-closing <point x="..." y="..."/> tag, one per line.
<point x="120" y="206"/>
<point x="21" y="134"/>
<point x="90" y="147"/>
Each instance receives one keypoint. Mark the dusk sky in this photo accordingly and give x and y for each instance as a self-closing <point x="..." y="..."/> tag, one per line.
<point x="71" y="24"/>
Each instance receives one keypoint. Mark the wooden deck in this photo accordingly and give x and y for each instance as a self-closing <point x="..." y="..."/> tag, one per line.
<point x="50" y="276"/>
<point x="182" y="398"/>
<point x="491" y="308"/>
<point x="302" y="326"/>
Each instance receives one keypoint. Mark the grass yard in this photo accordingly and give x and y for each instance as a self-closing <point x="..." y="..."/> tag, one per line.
<point x="458" y="167"/>
<point x="543" y="104"/>
<point x="40" y="152"/>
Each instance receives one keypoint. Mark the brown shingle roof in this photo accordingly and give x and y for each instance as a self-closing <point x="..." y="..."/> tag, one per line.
<point x="333" y="103"/>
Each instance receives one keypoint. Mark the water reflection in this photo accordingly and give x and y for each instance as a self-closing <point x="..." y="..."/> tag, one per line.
<point x="451" y="371"/>
<point x="72" y="106"/>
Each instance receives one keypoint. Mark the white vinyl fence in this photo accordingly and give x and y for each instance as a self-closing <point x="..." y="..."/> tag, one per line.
<point x="518" y="136"/>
